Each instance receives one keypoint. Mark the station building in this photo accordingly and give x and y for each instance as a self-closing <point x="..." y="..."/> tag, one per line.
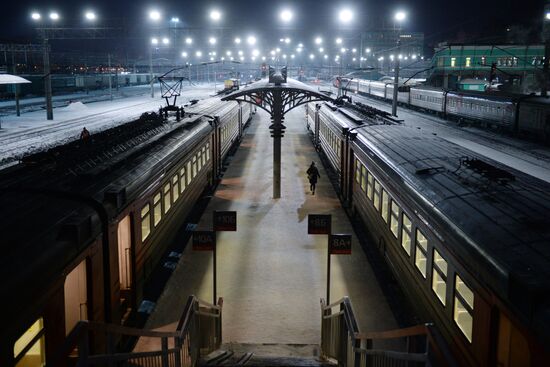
<point x="519" y="67"/>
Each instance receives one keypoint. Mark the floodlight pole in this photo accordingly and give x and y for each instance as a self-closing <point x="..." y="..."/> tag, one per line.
<point x="396" y="78"/>
<point x="110" y="77"/>
<point x="151" y="72"/>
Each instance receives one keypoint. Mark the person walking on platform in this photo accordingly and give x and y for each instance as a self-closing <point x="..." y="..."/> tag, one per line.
<point x="312" y="175"/>
<point x="85" y="135"/>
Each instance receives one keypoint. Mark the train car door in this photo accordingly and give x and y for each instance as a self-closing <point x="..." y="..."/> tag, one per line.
<point x="512" y="347"/>
<point x="76" y="296"/>
<point x="124" y="238"/>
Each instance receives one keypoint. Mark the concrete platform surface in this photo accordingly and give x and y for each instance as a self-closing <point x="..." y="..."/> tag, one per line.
<point x="271" y="273"/>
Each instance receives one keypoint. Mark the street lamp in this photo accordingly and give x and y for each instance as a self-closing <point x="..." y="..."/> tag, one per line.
<point x="90" y="15"/>
<point x="212" y="40"/>
<point x="35" y="16"/>
<point x="188" y="41"/>
<point x="237" y="41"/>
<point x="318" y="40"/>
<point x="339" y="41"/>
<point x="165" y="41"/>
<point x="154" y="15"/>
<point x="345" y="15"/>
<point x="184" y="54"/>
<point x="251" y="40"/>
<point x="286" y="15"/>
<point x="215" y="15"/>
<point x="54" y="15"/>
<point x="399" y="17"/>
<point x="175" y="20"/>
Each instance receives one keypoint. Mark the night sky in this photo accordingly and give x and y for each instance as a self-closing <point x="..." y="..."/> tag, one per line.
<point x="438" y="19"/>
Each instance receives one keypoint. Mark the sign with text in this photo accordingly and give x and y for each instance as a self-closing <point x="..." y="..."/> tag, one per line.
<point x="318" y="223"/>
<point x="204" y="240"/>
<point x="225" y="220"/>
<point x="339" y="244"/>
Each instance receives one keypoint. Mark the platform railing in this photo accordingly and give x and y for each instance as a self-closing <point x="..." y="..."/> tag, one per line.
<point x="342" y="342"/>
<point x="198" y="332"/>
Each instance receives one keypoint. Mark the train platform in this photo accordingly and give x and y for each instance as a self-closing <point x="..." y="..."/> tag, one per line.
<point x="271" y="273"/>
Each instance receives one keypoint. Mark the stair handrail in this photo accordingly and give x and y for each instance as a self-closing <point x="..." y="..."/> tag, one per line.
<point x="187" y="345"/>
<point x="342" y="341"/>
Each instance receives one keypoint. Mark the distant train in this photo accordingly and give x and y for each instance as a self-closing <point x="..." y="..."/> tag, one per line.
<point x="525" y="115"/>
<point x="84" y="226"/>
<point x="466" y="238"/>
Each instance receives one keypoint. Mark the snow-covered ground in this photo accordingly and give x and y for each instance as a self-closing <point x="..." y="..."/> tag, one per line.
<point x="32" y="132"/>
<point x="525" y="156"/>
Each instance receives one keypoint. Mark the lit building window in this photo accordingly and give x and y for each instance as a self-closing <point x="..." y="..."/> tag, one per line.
<point x="463" y="308"/>
<point x="439" y="276"/>
<point x="453" y="62"/>
<point x="30" y="349"/>
<point x="468" y="62"/>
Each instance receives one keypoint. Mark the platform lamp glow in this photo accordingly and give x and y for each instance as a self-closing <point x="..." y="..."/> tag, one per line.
<point x="286" y="15"/>
<point x="399" y="18"/>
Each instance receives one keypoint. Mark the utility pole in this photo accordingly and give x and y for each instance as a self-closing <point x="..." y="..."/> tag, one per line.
<point x="110" y="77"/>
<point x="15" y="86"/>
<point x="151" y="71"/>
<point x="47" y="78"/>
<point x="396" y="79"/>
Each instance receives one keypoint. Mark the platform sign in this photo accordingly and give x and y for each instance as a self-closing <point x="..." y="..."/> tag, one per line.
<point x="339" y="244"/>
<point x="319" y="223"/>
<point x="225" y="220"/>
<point x="204" y="240"/>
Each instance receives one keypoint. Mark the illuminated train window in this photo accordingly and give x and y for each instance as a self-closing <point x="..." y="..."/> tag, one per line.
<point x="145" y="222"/>
<point x="394" y="219"/>
<point x="385" y="205"/>
<point x="363" y="178"/>
<point x="376" y="198"/>
<point x="406" y="234"/>
<point x="439" y="276"/>
<point x="175" y="188"/>
<point x="30" y="350"/>
<point x="463" y="308"/>
<point x="157" y="209"/>
<point x="167" y="198"/>
<point x="182" y="180"/>
<point x="358" y="166"/>
<point x="420" y="259"/>
<point x="370" y="185"/>
<point x="208" y="151"/>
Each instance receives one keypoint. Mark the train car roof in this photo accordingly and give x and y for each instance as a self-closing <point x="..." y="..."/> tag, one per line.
<point x="501" y="214"/>
<point x="12" y="79"/>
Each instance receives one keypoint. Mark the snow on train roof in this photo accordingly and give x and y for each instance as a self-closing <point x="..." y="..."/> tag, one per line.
<point x="12" y="79"/>
<point x="504" y="221"/>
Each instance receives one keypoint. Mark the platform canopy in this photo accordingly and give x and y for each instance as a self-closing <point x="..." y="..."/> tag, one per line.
<point x="12" y="79"/>
<point x="293" y="94"/>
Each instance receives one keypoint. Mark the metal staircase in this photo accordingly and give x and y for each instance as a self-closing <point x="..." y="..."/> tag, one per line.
<point x="198" y="335"/>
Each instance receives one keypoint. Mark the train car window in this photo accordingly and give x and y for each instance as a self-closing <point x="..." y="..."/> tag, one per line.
<point x="145" y="222"/>
<point x="207" y="152"/>
<point x="363" y="178"/>
<point x="157" y="210"/>
<point x="203" y="156"/>
<point x="30" y="348"/>
<point x="463" y="307"/>
<point x="394" y="218"/>
<point x="376" y="195"/>
<point x="406" y="234"/>
<point x="183" y="179"/>
<point x="195" y="171"/>
<point x="370" y="185"/>
<point x="189" y="172"/>
<point x="439" y="276"/>
<point x="385" y="205"/>
<point x="358" y="166"/>
<point x="167" y="198"/>
<point x="175" y="188"/>
<point x="420" y="259"/>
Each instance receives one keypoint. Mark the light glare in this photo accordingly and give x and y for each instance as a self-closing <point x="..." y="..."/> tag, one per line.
<point x="90" y="15"/>
<point x="154" y="15"/>
<point x="54" y="15"/>
<point x="400" y="16"/>
<point x="345" y="15"/>
<point x="286" y="15"/>
<point x="215" y="15"/>
<point x="36" y="16"/>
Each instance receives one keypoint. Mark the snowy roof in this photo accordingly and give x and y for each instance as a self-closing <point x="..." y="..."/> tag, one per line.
<point x="12" y="79"/>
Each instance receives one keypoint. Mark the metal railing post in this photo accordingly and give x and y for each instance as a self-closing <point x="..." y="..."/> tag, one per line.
<point x="164" y="346"/>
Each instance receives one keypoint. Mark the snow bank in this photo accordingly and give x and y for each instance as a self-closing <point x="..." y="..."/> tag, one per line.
<point x="75" y="106"/>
